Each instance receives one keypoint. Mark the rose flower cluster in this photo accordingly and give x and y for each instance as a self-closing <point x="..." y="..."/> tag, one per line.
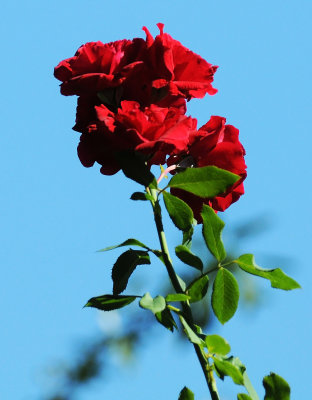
<point x="132" y="96"/>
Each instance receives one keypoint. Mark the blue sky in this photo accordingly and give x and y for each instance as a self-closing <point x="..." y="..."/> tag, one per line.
<point x="56" y="213"/>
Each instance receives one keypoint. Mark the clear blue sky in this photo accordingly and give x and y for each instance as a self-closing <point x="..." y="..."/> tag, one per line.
<point x="56" y="213"/>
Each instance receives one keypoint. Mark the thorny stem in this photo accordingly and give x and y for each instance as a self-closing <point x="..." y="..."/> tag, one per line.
<point x="206" y="368"/>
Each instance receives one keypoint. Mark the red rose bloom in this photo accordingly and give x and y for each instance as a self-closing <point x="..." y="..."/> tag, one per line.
<point x="155" y="131"/>
<point x="160" y="71"/>
<point x="97" y="66"/>
<point x="176" y="68"/>
<point x="214" y="144"/>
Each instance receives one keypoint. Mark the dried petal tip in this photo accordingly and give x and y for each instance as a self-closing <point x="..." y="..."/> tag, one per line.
<point x="161" y="27"/>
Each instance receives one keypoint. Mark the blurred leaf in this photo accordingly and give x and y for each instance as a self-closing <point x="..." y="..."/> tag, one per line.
<point x="192" y="336"/>
<point x="250" y="227"/>
<point x="230" y="367"/>
<point x="217" y="345"/>
<point x="177" y="297"/>
<point x="277" y="277"/>
<point x="276" y="388"/>
<point x="212" y="229"/>
<point x="180" y="213"/>
<point x="88" y="369"/>
<point x="134" y="167"/>
<point x="141" y="196"/>
<point x="186" y="256"/>
<point x="186" y="394"/>
<point x="181" y="282"/>
<point x="110" y="302"/>
<point x="155" y="305"/>
<point x="166" y="319"/>
<point x="250" y="389"/>
<point x="203" y="182"/>
<point x="225" y="295"/>
<point x="243" y="396"/>
<point x="128" y="242"/>
<point x="124" y="267"/>
<point x="198" y="288"/>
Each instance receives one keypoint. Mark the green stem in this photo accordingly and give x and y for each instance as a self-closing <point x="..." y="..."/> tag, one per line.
<point x="208" y="373"/>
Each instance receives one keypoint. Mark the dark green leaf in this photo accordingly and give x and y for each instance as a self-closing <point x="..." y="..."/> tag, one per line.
<point x="192" y="336"/>
<point x="134" y="167"/>
<point x="166" y="319"/>
<point x="177" y="297"/>
<point x="186" y="256"/>
<point x="277" y="277"/>
<point x="141" y="196"/>
<point x="212" y="229"/>
<point x="180" y="213"/>
<point x="186" y="394"/>
<point x="225" y="295"/>
<point x="187" y="238"/>
<point x="128" y="242"/>
<point x="230" y="367"/>
<point x="276" y="388"/>
<point x="124" y="267"/>
<point x="110" y="302"/>
<point x="155" y="305"/>
<point x="199" y="330"/>
<point x="110" y="96"/>
<point x="198" y="288"/>
<point x="217" y="345"/>
<point x="204" y="182"/>
<point x="243" y="396"/>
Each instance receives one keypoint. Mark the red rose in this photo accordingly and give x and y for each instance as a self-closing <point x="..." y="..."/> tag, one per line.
<point x="176" y="68"/>
<point x="214" y="144"/>
<point x="97" y="66"/>
<point x="160" y="71"/>
<point x="155" y="131"/>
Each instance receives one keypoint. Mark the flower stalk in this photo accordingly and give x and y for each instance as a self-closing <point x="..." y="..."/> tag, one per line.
<point x="187" y="311"/>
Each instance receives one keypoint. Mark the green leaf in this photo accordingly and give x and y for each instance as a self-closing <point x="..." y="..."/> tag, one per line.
<point x="128" y="242"/>
<point x="124" y="267"/>
<point x="155" y="305"/>
<point x="180" y="213"/>
<point x="187" y="238"/>
<point x="225" y="295"/>
<point x="141" y="196"/>
<point x="134" y="166"/>
<point x="110" y="96"/>
<point x="203" y="182"/>
<point x="110" y="302"/>
<point x="166" y="319"/>
<point x="192" y="336"/>
<point x="186" y="256"/>
<point x="177" y="297"/>
<point x="276" y="388"/>
<point x="277" y="277"/>
<point x="186" y="394"/>
<point x="217" y="345"/>
<point x="230" y="367"/>
<point x="198" y="288"/>
<point x="212" y="229"/>
<point x="243" y="396"/>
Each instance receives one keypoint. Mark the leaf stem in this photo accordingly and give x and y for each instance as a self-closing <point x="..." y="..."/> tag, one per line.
<point x="206" y="368"/>
<point x="175" y="309"/>
<point x="212" y="270"/>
